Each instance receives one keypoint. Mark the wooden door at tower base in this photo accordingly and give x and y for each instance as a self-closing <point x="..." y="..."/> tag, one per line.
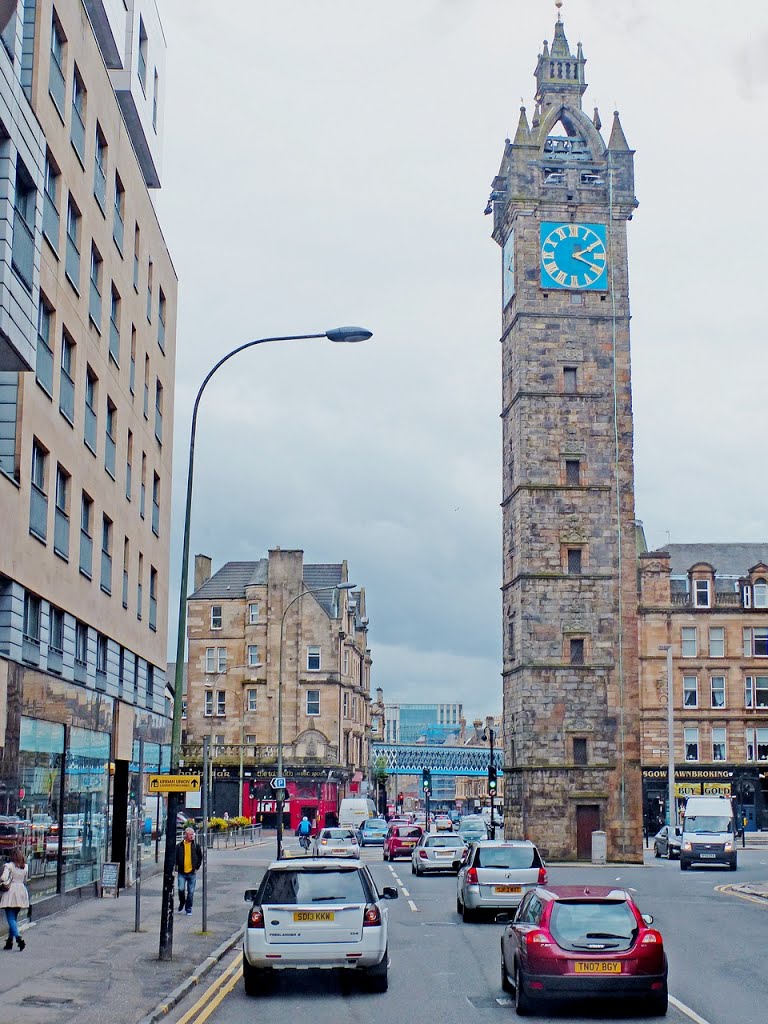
<point x="587" y="822"/>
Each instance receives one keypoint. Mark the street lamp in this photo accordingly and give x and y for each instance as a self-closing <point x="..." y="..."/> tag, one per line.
<point x="302" y="593"/>
<point x="670" y="738"/>
<point x="336" y="334"/>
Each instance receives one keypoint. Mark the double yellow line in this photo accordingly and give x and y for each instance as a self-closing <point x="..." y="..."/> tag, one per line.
<point x="214" y="994"/>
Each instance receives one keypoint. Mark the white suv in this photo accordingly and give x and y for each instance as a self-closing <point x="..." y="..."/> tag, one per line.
<point x="316" y="914"/>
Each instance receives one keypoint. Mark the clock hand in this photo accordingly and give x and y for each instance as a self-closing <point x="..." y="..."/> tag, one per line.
<point x="593" y="246"/>
<point x="592" y="266"/>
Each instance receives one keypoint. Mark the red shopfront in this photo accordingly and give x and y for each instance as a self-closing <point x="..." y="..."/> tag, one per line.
<point x="315" y="798"/>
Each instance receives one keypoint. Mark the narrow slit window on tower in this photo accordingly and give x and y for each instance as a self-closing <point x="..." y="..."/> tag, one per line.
<point x="576" y="650"/>
<point x="579" y="750"/>
<point x="570" y="379"/>
<point x="573" y="472"/>
<point x="574" y="561"/>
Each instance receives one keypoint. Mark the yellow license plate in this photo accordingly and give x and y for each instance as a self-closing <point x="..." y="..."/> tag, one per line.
<point x="507" y="888"/>
<point x="597" y="967"/>
<point x="313" y="915"/>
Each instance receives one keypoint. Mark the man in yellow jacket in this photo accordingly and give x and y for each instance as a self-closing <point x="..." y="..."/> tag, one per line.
<point x="189" y="857"/>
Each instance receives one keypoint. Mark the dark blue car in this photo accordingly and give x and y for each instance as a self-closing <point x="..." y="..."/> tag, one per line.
<point x="372" y="832"/>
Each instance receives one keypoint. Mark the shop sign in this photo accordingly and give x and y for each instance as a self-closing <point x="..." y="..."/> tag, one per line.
<point x="686" y="789"/>
<point x="717" y="789"/>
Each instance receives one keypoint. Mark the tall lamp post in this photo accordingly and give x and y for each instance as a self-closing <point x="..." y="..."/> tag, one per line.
<point x="336" y="334"/>
<point x="281" y="797"/>
<point x="670" y="738"/>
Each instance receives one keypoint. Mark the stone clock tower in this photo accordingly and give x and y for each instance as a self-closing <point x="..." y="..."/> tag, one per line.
<point x="561" y="203"/>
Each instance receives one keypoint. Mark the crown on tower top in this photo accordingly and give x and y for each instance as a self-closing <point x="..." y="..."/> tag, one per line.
<point x="560" y="73"/>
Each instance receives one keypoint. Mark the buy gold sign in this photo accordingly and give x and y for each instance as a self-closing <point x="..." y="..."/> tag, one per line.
<point x="686" y="789"/>
<point x="717" y="789"/>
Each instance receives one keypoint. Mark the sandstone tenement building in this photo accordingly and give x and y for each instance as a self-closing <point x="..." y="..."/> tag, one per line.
<point x="561" y="202"/>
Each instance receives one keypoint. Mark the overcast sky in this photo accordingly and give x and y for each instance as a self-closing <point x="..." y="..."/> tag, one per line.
<point x="327" y="162"/>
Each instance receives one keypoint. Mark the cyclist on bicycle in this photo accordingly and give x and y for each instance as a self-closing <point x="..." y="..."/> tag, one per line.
<point x="305" y="831"/>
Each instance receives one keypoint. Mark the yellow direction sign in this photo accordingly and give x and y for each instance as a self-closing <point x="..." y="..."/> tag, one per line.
<point x="174" y="784"/>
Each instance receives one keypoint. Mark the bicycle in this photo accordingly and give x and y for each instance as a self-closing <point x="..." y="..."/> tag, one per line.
<point x="304" y="842"/>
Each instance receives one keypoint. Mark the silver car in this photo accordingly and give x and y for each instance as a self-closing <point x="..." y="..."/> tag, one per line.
<point x="336" y="842"/>
<point x="496" y="876"/>
<point x="437" y="853"/>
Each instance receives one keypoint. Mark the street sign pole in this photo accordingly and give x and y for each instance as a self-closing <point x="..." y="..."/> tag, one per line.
<point x="138" y="824"/>
<point x="205" y="833"/>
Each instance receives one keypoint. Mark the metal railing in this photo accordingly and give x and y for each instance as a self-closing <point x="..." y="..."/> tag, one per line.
<point x="261" y="753"/>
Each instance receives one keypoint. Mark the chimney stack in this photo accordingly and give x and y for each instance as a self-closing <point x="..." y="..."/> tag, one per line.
<point x="202" y="570"/>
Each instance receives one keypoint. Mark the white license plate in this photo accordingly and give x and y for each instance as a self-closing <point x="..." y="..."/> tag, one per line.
<point x="339" y="849"/>
<point x="444" y="853"/>
<point x="709" y="856"/>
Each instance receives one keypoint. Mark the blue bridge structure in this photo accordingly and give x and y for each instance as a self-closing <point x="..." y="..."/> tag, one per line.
<point x="411" y="758"/>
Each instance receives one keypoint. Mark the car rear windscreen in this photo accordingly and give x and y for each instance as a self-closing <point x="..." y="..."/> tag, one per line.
<point x="338" y="833"/>
<point x="508" y="857"/>
<point x="449" y="841"/>
<point x="292" y="887"/>
<point x="404" y="832"/>
<point x="580" y="925"/>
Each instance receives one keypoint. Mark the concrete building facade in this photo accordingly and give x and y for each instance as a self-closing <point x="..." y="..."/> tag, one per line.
<point x="235" y="619"/>
<point x="86" y="423"/>
<point x="560" y="203"/>
<point x="710" y="603"/>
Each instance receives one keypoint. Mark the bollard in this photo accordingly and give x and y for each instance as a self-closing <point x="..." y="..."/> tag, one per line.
<point x="599" y="847"/>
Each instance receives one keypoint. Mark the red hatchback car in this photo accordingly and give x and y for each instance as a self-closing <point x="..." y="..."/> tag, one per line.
<point x="401" y="840"/>
<point x="573" y="942"/>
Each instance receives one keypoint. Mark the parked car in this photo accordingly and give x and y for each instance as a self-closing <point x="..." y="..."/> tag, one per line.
<point x="496" y="875"/>
<point x="472" y="827"/>
<point x="401" y="840"/>
<point x="437" y="853"/>
<point x="309" y="913"/>
<point x="336" y="842"/>
<point x="570" y="942"/>
<point x="667" y="841"/>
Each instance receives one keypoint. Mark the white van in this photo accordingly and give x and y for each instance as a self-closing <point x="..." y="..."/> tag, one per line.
<point x="709" y="833"/>
<point x="355" y="810"/>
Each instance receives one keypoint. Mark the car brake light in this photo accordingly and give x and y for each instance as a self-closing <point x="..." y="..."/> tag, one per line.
<point x="542" y="876"/>
<point x="323" y="842"/>
<point x="650" y="938"/>
<point x="372" y="916"/>
<point x="256" y="918"/>
<point x="536" y="938"/>
<point x="471" y="876"/>
<point x="423" y="854"/>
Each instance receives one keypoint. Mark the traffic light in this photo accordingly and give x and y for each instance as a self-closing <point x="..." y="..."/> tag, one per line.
<point x="426" y="780"/>
<point x="400" y="798"/>
<point x="492" y="779"/>
<point x="252" y="790"/>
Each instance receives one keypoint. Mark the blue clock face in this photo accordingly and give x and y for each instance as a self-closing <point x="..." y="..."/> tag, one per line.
<point x="508" y="269"/>
<point x="573" y="256"/>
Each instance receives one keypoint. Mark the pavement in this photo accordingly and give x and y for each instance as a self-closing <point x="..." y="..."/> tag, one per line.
<point x="88" y="963"/>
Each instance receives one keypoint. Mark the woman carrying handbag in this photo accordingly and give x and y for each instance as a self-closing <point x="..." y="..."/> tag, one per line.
<point x="13" y="895"/>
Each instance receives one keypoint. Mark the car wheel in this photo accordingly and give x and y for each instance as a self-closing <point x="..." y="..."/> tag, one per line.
<point x="656" y="851"/>
<point x="467" y="915"/>
<point x="377" y="976"/>
<point x="522" y="1001"/>
<point x="506" y="984"/>
<point x="458" y="905"/>
<point x="383" y="854"/>
<point x="413" y="868"/>
<point x="684" y="864"/>
<point x="254" y="979"/>
<point x="733" y="865"/>
<point x="657" y="1005"/>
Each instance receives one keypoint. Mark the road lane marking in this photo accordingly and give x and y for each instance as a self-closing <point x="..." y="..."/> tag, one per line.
<point x="729" y="890"/>
<point x="413" y="906"/>
<point x="687" y="1011"/>
<point x="405" y="891"/>
<point x="224" y="978"/>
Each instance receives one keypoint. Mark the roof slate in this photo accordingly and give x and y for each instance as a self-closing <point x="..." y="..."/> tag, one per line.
<point x="231" y="580"/>
<point x="727" y="559"/>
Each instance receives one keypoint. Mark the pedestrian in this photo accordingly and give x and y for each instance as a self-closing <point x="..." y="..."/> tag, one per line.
<point x="189" y="857"/>
<point x="15" y="897"/>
